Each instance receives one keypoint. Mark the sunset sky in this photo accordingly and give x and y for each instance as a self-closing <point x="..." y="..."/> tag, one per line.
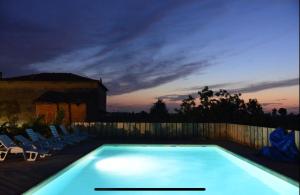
<point x="149" y="49"/>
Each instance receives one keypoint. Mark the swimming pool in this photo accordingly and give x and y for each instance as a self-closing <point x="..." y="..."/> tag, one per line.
<point x="205" y="169"/>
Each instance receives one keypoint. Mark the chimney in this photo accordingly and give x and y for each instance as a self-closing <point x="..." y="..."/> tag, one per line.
<point x="100" y="80"/>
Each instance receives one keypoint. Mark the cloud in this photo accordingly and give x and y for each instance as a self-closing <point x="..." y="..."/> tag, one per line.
<point x="267" y="85"/>
<point x="250" y="88"/>
<point x="145" y="73"/>
<point x="213" y="86"/>
<point x="143" y="78"/>
<point x="281" y="99"/>
<point x="271" y="104"/>
<point x="177" y="97"/>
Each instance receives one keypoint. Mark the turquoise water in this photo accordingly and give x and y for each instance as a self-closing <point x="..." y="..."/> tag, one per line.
<point x="162" y="166"/>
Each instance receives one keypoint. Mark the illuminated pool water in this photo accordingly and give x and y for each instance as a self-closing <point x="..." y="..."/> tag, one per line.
<point x="163" y="166"/>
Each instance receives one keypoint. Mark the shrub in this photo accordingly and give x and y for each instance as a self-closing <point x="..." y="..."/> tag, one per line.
<point x="59" y="117"/>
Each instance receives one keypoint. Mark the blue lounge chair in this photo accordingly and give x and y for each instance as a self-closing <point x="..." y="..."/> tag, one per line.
<point x="29" y="145"/>
<point x="43" y="142"/>
<point x="59" y="138"/>
<point x="8" y="146"/>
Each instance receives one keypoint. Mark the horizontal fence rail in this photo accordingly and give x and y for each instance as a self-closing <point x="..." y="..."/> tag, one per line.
<point x="253" y="136"/>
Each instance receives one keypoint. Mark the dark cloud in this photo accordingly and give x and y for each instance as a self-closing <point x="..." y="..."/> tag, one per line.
<point x="177" y="97"/>
<point x="214" y="86"/>
<point x="267" y="85"/>
<point x="127" y="43"/>
<point x="143" y="77"/>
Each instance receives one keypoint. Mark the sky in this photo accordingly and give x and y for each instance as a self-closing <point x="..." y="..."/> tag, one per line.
<point x="144" y="50"/>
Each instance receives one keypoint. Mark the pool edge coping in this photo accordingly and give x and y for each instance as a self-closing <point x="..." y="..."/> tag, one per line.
<point x="59" y="173"/>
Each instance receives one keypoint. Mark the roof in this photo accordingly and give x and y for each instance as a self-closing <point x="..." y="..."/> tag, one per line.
<point x="66" y="97"/>
<point x="53" y="77"/>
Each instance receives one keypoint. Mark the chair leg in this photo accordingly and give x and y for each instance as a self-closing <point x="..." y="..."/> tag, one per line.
<point x="24" y="155"/>
<point x="32" y="156"/>
<point x="3" y="155"/>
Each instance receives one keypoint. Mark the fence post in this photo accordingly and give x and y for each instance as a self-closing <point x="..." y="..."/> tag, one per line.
<point x="297" y="139"/>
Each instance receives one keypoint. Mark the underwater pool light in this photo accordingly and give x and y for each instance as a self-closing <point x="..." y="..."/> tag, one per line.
<point x="127" y="165"/>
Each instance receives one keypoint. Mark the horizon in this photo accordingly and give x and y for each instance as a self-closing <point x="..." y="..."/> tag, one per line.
<point x="164" y="49"/>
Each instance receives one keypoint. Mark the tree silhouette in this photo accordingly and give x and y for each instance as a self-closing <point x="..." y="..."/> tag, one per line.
<point x="282" y="111"/>
<point x="227" y="106"/>
<point x="274" y="112"/>
<point x="187" y="106"/>
<point x="205" y="96"/>
<point x="218" y="106"/>
<point x="254" y="108"/>
<point x="60" y="115"/>
<point x="159" y="110"/>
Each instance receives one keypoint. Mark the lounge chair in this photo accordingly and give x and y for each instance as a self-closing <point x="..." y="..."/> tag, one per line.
<point x="8" y="146"/>
<point x="54" y="144"/>
<point x="35" y="139"/>
<point x="43" y="142"/>
<point x="26" y="143"/>
<point x="58" y="138"/>
<point x="73" y="137"/>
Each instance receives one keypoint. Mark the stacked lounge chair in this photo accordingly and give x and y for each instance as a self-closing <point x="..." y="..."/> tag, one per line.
<point x="37" y="145"/>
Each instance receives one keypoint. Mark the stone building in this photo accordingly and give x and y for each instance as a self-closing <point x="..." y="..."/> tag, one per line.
<point x="80" y="98"/>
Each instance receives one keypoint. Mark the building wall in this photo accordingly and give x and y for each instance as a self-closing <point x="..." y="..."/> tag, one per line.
<point x="46" y="110"/>
<point x="25" y="92"/>
<point x="72" y="112"/>
<point x="78" y="112"/>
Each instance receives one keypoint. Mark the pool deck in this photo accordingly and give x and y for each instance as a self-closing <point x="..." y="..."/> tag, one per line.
<point x="17" y="175"/>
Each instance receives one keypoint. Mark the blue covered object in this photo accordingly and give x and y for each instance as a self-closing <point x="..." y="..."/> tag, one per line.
<point x="283" y="147"/>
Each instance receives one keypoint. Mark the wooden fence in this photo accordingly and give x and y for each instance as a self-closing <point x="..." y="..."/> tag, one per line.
<point x="252" y="136"/>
